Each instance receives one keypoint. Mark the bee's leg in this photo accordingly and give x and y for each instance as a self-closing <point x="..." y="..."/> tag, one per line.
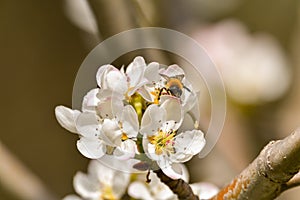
<point x="161" y="91"/>
<point x="187" y="88"/>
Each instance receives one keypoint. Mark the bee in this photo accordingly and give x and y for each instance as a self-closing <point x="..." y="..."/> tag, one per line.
<point x="174" y="86"/>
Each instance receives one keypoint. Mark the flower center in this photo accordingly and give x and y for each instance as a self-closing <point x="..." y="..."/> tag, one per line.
<point x="163" y="141"/>
<point x="139" y="104"/>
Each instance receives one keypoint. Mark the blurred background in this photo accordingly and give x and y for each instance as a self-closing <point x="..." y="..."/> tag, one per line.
<point x="255" y="44"/>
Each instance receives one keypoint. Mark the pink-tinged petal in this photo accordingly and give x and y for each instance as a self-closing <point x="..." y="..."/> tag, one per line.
<point x="135" y="71"/>
<point x="90" y="101"/>
<point x="130" y="121"/>
<point x="152" y="120"/>
<point x="91" y="148"/>
<point x="117" y="82"/>
<point x="105" y="110"/>
<point x="101" y="75"/>
<point x="111" y="133"/>
<point x="88" y="125"/>
<point x="111" y="104"/>
<point x="172" y="71"/>
<point x="104" y="94"/>
<point x="139" y="190"/>
<point x="151" y="72"/>
<point x="204" y="190"/>
<point x="86" y="186"/>
<point x="66" y="117"/>
<point x="172" y="171"/>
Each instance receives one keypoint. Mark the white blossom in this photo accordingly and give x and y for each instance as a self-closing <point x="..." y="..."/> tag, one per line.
<point x="97" y="134"/>
<point x="100" y="183"/>
<point x="161" y="141"/>
<point x="143" y="100"/>
<point x="204" y="190"/>
<point x="139" y="189"/>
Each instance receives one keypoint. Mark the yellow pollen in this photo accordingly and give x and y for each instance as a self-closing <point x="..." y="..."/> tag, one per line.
<point x="155" y="93"/>
<point x="107" y="193"/>
<point x="124" y="137"/>
<point x="163" y="141"/>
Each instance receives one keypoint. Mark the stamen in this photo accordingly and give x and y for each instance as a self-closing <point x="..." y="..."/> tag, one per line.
<point x="163" y="141"/>
<point x="124" y="137"/>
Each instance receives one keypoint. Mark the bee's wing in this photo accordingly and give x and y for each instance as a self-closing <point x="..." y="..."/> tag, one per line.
<point x="179" y="77"/>
<point x="165" y="76"/>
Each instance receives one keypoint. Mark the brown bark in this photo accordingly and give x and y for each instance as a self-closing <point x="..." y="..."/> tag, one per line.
<point x="179" y="187"/>
<point x="269" y="174"/>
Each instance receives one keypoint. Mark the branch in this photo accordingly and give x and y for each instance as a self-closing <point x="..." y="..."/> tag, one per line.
<point x="269" y="174"/>
<point x="179" y="187"/>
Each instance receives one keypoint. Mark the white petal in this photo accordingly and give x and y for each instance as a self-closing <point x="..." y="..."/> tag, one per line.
<point x="153" y="119"/>
<point x="92" y="149"/>
<point x="173" y="110"/>
<point x="190" y="122"/>
<point x="101" y="75"/>
<point x="143" y="91"/>
<point x="172" y="70"/>
<point x="126" y="150"/>
<point x="120" y="165"/>
<point x="150" y="149"/>
<point x="187" y="144"/>
<point x="96" y="169"/>
<point x="135" y="71"/>
<point x="130" y="121"/>
<point x="111" y="132"/>
<point x="137" y="87"/>
<point x="72" y="197"/>
<point x="117" y="82"/>
<point x="88" y="125"/>
<point x="181" y="170"/>
<point x="189" y="99"/>
<point x="66" y="117"/>
<point x="86" y="186"/>
<point x="120" y="183"/>
<point x="111" y="104"/>
<point x="204" y="190"/>
<point x="138" y="190"/>
<point x="90" y="101"/>
<point x="151" y="72"/>
<point x="105" y="109"/>
<point x="172" y="171"/>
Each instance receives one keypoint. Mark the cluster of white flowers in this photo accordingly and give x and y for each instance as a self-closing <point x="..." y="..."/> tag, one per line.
<point x="141" y="115"/>
<point x="112" y="185"/>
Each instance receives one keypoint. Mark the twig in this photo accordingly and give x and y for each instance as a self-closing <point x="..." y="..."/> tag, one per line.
<point x="179" y="187"/>
<point x="269" y="174"/>
<point x="294" y="182"/>
<point x="18" y="180"/>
